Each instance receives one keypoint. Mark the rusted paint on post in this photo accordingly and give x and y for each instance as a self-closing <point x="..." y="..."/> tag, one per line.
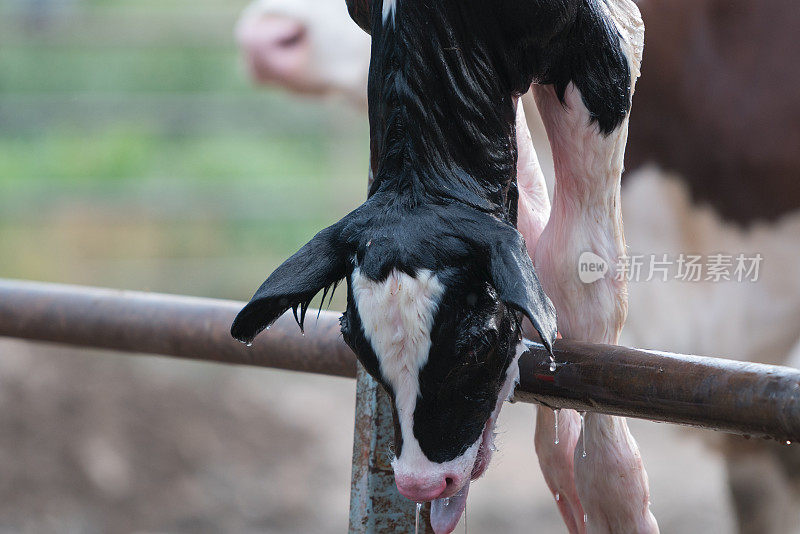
<point x="375" y="504"/>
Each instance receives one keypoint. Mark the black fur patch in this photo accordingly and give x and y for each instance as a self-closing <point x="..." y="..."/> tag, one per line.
<point x="472" y="347"/>
<point x="594" y="61"/>
<point x="563" y="41"/>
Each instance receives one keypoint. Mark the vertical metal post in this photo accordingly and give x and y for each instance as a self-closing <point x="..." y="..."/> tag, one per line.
<point x="376" y="507"/>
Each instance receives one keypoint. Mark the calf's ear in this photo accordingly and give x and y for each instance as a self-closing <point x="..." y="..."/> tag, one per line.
<point x="512" y="275"/>
<point x="321" y="263"/>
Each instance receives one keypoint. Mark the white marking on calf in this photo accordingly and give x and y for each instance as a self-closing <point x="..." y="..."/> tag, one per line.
<point x="389" y="7"/>
<point x="397" y="316"/>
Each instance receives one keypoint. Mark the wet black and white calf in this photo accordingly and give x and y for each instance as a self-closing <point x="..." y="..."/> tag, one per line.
<point x="436" y="293"/>
<point x="439" y="277"/>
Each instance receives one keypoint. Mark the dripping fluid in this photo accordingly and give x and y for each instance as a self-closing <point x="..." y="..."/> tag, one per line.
<point x="555" y="412"/>
<point x="583" y="433"/>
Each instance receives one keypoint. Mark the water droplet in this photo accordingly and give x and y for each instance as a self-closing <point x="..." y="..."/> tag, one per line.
<point x="583" y="433"/>
<point x="552" y="367"/>
<point x="558" y="496"/>
<point x="493" y="447"/>
<point x="416" y="522"/>
<point x="788" y="442"/>
<point x="268" y="328"/>
<point x="249" y="344"/>
<point x="585" y="518"/>
<point x="447" y="501"/>
<point x="556" y="440"/>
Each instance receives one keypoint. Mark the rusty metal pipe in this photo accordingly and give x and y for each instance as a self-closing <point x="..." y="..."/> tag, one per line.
<point x="152" y="323"/>
<point x="738" y="397"/>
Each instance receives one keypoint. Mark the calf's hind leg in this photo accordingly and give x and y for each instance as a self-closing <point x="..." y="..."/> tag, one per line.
<point x="588" y="151"/>
<point x="610" y="479"/>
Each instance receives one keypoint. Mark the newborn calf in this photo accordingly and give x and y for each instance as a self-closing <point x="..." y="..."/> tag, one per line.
<point x="438" y="275"/>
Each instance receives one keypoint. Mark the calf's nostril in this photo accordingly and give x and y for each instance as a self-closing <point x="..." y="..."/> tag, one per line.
<point x="449" y="482"/>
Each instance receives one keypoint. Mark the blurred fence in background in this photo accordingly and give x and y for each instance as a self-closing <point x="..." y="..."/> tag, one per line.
<point x="134" y="153"/>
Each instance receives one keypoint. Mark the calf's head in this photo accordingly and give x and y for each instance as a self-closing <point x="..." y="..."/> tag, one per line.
<point x="435" y="299"/>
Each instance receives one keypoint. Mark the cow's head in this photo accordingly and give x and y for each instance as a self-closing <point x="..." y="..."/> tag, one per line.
<point x="307" y="46"/>
<point x="435" y="298"/>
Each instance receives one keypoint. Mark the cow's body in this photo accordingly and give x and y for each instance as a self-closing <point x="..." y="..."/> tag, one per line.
<point x="718" y="103"/>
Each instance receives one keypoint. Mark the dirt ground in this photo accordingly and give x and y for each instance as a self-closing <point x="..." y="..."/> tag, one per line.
<point x="97" y="442"/>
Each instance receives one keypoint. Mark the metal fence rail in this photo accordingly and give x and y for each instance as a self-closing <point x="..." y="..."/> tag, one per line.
<point x="739" y="397"/>
<point x="169" y="325"/>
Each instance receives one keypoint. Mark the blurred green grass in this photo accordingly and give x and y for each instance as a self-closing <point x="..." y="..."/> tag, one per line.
<point x="55" y="68"/>
<point x="134" y="153"/>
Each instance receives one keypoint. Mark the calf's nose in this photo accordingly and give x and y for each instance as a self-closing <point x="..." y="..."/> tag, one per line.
<point x="427" y="488"/>
<point x="275" y="47"/>
<point x="420" y="489"/>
